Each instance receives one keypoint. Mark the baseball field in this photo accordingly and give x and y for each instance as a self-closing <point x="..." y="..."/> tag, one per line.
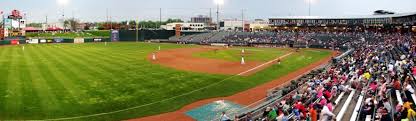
<point x="116" y="81"/>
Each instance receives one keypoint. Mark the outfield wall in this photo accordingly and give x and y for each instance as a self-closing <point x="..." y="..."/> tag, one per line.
<point x="61" y="40"/>
<point x="130" y="35"/>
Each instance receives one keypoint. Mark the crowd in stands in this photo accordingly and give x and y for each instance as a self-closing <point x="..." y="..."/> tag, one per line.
<point x="381" y="69"/>
<point x="314" y="39"/>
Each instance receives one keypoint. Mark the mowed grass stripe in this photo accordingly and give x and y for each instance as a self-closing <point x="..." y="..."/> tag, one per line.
<point x="94" y="78"/>
<point x="110" y="77"/>
<point x="49" y="99"/>
<point x="71" y="75"/>
<point x="89" y="62"/>
<point x="116" y="64"/>
<point x="60" y="70"/>
<point x="61" y="93"/>
<point x="70" y="67"/>
<point x="107" y="53"/>
<point x="14" y="90"/>
<point x="4" y="74"/>
<point x="31" y="101"/>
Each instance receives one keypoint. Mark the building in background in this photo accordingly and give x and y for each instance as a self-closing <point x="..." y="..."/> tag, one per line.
<point x="232" y="25"/>
<point x="202" y="19"/>
<point x="259" y="25"/>
<point x="185" y="26"/>
<point x="57" y="26"/>
<point x="237" y="25"/>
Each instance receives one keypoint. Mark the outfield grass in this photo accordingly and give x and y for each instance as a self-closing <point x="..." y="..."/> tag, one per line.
<point x="250" y="54"/>
<point x="69" y="80"/>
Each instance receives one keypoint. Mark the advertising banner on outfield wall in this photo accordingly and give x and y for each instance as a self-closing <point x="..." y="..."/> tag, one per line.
<point x="98" y="40"/>
<point x="58" y="40"/>
<point x="79" y="40"/>
<point x="43" y="41"/>
<point x="33" y="41"/>
<point x="115" y="35"/>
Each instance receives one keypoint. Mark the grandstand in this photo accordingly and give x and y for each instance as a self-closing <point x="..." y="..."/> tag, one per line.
<point x="312" y="31"/>
<point x="364" y="84"/>
<point x="402" y="19"/>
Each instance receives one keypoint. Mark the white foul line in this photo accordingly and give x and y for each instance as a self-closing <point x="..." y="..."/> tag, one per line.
<point x="265" y="64"/>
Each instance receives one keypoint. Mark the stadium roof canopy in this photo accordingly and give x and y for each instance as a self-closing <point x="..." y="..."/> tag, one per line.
<point x="347" y="17"/>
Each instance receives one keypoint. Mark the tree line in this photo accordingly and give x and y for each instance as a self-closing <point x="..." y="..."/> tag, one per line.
<point x="75" y="24"/>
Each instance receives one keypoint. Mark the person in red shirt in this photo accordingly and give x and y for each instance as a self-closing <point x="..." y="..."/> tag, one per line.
<point x="327" y="94"/>
<point x="301" y="108"/>
<point x="396" y="84"/>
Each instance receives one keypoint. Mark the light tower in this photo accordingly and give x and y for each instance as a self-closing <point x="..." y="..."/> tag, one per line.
<point x="218" y="3"/>
<point x="310" y="2"/>
<point x="63" y="3"/>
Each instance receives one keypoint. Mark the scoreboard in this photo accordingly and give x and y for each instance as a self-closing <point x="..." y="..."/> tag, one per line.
<point x="14" y="25"/>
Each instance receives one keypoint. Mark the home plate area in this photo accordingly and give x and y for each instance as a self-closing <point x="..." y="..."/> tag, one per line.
<point x="213" y="111"/>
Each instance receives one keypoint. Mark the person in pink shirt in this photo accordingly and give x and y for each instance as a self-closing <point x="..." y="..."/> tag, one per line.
<point x="320" y="92"/>
<point x="330" y="106"/>
<point x="373" y="86"/>
<point x="323" y="102"/>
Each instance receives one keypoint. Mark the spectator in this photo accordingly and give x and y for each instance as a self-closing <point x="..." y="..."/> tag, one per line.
<point x="224" y="117"/>
<point x="313" y="113"/>
<point x="326" y="114"/>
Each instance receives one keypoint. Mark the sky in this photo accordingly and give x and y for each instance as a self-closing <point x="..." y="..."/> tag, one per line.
<point x="120" y="10"/>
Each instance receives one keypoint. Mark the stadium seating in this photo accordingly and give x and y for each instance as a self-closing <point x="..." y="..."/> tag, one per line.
<point x="366" y="84"/>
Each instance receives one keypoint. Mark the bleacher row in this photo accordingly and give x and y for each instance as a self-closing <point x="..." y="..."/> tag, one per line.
<point x="375" y="82"/>
<point x="300" y="38"/>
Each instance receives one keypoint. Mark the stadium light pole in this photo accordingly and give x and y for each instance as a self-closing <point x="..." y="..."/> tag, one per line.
<point x="63" y="3"/>
<point x="160" y="18"/>
<point x="242" y="19"/>
<point x="137" y="30"/>
<point x="309" y="7"/>
<point x="218" y="3"/>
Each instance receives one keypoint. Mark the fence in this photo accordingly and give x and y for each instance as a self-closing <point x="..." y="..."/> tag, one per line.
<point x="53" y="40"/>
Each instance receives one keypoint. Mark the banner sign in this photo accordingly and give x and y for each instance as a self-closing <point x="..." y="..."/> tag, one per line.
<point x="33" y="41"/>
<point x="43" y="41"/>
<point x="58" y="40"/>
<point x="115" y="35"/>
<point x="79" y="40"/>
<point x="97" y="40"/>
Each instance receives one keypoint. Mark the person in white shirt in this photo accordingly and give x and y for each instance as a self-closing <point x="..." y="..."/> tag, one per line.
<point x="224" y="117"/>
<point x="390" y="67"/>
<point x="326" y="114"/>
<point x="410" y="89"/>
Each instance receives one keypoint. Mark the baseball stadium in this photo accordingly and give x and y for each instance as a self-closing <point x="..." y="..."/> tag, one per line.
<point x="281" y="68"/>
